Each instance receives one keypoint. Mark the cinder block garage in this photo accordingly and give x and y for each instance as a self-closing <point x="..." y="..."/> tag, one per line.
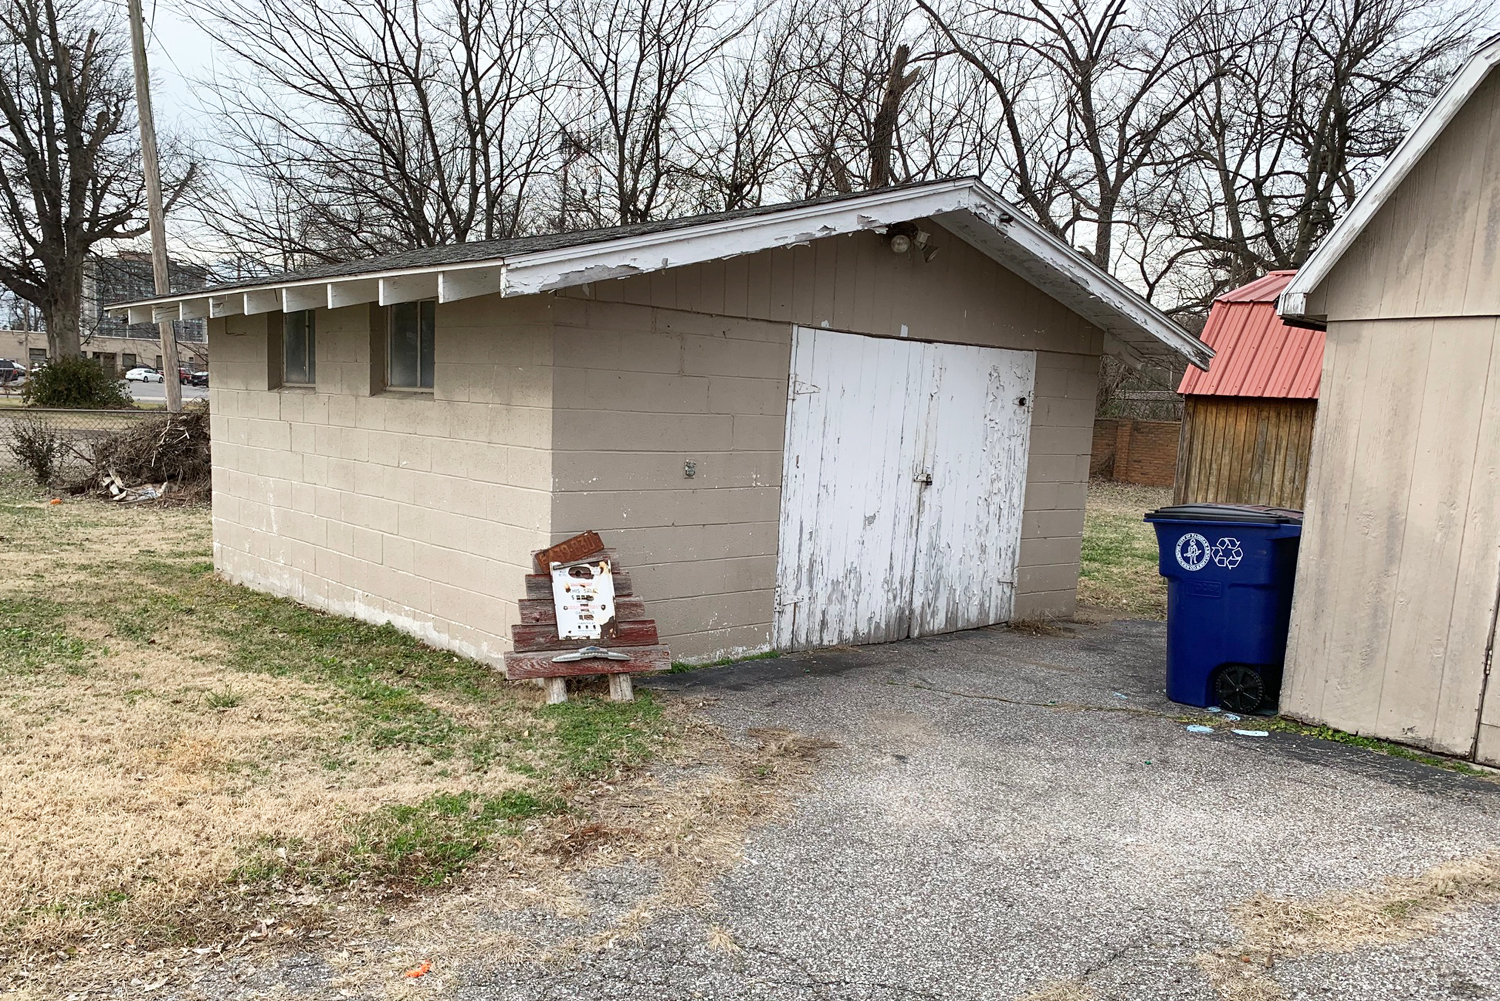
<point x="848" y="420"/>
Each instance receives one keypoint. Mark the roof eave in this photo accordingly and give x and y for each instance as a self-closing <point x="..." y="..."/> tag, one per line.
<point x="1134" y="327"/>
<point x="1292" y="304"/>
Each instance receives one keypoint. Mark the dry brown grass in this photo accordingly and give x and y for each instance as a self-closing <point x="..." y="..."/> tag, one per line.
<point x="186" y="765"/>
<point x="683" y="819"/>
<point x="192" y="771"/>
<point x="1394" y="910"/>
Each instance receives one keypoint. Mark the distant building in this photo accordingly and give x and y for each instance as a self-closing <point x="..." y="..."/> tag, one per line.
<point x="118" y="354"/>
<point x="128" y="275"/>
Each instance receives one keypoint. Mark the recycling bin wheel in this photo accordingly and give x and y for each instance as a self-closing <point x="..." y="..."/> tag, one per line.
<point x="1240" y="688"/>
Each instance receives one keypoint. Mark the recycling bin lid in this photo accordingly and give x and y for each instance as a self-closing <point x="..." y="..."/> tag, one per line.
<point x="1256" y="514"/>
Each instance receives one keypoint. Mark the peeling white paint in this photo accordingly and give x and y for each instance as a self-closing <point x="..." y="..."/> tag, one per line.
<point x="869" y="550"/>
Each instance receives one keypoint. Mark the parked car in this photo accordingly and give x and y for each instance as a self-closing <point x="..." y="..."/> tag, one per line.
<point x="10" y="371"/>
<point x="200" y="379"/>
<point x="143" y="375"/>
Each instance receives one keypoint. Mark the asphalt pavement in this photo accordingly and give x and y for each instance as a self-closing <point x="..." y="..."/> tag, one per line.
<point x="156" y="392"/>
<point x="1012" y="816"/>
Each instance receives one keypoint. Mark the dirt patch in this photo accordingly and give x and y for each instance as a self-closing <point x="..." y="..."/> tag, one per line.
<point x="1392" y="911"/>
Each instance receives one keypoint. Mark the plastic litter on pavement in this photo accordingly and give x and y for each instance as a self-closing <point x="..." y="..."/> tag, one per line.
<point x="1199" y="728"/>
<point x="1253" y="733"/>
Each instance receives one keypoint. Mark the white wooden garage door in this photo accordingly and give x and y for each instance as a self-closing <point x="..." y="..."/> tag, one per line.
<point x="902" y="489"/>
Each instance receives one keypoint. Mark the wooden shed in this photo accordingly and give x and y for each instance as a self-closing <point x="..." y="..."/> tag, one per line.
<point x="1247" y="422"/>
<point x="1393" y="622"/>
<point x="843" y="420"/>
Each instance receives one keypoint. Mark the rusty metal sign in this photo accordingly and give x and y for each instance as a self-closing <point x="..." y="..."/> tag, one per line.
<point x="579" y="547"/>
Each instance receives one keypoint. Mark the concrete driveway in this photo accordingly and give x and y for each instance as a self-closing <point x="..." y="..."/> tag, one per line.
<point x="1013" y="816"/>
<point x="982" y="832"/>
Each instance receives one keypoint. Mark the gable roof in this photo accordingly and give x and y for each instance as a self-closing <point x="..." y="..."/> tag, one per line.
<point x="1419" y="140"/>
<point x="1255" y="353"/>
<point x="529" y="265"/>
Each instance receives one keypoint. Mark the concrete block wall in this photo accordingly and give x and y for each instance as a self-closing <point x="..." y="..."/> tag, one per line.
<point x="556" y="413"/>
<point x="1057" y="484"/>
<point x="640" y="392"/>
<point x="419" y="509"/>
<point x="692" y="364"/>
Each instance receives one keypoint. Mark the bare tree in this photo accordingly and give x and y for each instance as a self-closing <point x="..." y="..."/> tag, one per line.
<point x="1086" y="92"/>
<point x="1305" y="98"/>
<point x="369" y="126"/>
<point x="69" y="162"/>
<point x="738" y="135"/>
<point x="633" y="65"/>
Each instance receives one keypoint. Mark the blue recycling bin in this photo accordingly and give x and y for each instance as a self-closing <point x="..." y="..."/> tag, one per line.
<point x="1229" y="570"/>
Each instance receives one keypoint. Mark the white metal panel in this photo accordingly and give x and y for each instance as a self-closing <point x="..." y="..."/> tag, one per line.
<point x="848" y="496"/>
<point x="868" y="551"/>
<point x="977" y="432"/>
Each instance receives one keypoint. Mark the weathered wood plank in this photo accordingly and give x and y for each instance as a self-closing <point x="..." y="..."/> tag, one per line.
<point x="541" y="665"/>
<point x="1476" y="589"/>
<point x="542" y="610"/>
<point x="1245" y="451"/>
<point x="527" y="637"/>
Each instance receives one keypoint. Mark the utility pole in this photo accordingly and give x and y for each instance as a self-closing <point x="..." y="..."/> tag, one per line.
<point x="171" y="381"/>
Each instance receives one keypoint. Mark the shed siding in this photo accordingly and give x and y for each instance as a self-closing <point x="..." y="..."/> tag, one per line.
<point x="1238" y="450"/>
<point x="1434" y="248"/>
<point x="1396" y="582"/>
<point x="693" y="363"/>
<point x="412" y="509"/>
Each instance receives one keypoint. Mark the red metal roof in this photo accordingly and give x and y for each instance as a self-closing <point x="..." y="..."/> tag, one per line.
<point x="1255" y="354"/>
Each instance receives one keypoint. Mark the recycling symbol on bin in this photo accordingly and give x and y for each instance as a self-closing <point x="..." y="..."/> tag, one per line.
<point x="1228" y="553"/>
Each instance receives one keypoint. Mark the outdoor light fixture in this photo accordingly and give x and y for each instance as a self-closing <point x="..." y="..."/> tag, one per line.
<point x="905" y="235"/>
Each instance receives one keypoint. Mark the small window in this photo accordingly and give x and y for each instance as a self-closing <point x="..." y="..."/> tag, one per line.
<point x="410" y="344"/>
<point x="38" y="356"/>
<point x="127" y="361"/>
<point x="299" y="337"/>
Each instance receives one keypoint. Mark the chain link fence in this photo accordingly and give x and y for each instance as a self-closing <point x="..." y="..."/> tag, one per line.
<point x="75" y="430"/>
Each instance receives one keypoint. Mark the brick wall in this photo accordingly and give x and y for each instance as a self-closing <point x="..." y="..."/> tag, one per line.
<point x="1133" y="451"/>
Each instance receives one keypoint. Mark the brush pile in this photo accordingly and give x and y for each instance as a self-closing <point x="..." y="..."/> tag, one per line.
<point x="167" y="458"/>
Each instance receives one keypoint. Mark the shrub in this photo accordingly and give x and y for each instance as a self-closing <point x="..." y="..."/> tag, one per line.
<point x="36" y="447"/>
<point x="77" y="383"/>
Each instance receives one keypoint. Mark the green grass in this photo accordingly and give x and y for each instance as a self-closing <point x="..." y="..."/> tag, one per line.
<point x="426" y="844"/>
<point x="364" y="691"/>
<point x="1118" y="559"/>
<point x="35" y="642"/>
<point x="592" y="737"/>
<point x="1370" y="744"/>
<point x="682" y="666"/>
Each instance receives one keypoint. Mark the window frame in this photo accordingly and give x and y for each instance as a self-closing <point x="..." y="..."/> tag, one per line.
<point x="419" y="305"/>
<point x="310" y="348"/>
